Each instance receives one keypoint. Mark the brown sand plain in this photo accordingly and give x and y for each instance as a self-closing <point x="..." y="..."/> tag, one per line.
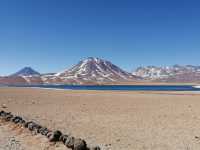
<point x="115" y="120"/>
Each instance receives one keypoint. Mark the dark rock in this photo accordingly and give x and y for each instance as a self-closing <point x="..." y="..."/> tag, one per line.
<point x="70" y="142"/>
<point x="48" y="135"/>
<point x="26" y="124"/>
<point x="41" y="130"/>
<point x="1" y="112"/>
<point x="31" y="126"/>
<point x="22" y="122"/>
<point x="80" y="144"/>
<point x="44" y="131"/>
<point x="63" y="138"/>
<point x="37" y="128"/>
<point x="55" y="136"/>
<point x="16" y="119"/>
<point x="8" y="117"/>
<point x="5" y="114"/>
<point x="95" y="148"/>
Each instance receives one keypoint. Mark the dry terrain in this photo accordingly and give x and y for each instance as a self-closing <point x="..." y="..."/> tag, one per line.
<point x="114" y="120"/>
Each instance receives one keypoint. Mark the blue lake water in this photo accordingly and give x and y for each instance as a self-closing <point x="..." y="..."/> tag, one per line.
<point x="120" y="87"/>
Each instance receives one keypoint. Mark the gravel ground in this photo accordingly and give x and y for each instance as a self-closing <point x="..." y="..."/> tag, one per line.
<point x="8" y="141"/>
<point x="14" y="138"/>
<point x="114" y="120"/>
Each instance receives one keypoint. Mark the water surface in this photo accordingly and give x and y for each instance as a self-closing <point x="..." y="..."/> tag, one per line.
<point x="119" y="87"/>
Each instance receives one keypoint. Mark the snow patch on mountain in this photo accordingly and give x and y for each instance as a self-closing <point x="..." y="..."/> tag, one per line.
<point x="154" y="72"/>
<point x="97" y="70"/>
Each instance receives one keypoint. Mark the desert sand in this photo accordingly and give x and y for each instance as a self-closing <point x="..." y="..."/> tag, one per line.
<point x="114" y="120"/>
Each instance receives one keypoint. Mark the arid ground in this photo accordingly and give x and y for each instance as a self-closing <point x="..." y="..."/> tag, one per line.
<point x="113" y="120"/>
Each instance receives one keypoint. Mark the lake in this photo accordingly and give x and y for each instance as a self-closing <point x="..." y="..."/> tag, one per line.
<point x="119" y="87"/>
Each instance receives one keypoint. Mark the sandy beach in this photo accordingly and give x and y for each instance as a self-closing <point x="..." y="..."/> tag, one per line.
<point x="114" y="120"/>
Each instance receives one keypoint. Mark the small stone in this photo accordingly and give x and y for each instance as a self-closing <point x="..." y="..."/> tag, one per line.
<point x="49" y="135"/>
<point x="70" y="142"/>
<point x="43" y="130"/>
<point x="79" y="144"/>
<point x="63" y="138"/>
<point x="3" y="106"/>
<point x="8" y="118"/>
<point x="37" y="128"/>
<point x="55" y="136"/>
<point x="118" y="140"/>
<point x="31" y="126"/>
<point x="26" y="125"/>
<point x="95" y="148"/>
<point x="2" y="112"/>
<point x="22" y="121"/>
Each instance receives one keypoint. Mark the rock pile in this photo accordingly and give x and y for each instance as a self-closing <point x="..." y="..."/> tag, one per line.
<point x="53" y="136"/>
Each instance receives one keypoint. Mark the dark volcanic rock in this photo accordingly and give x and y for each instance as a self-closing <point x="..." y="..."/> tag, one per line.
<point x="44" y="131"/>
<point x="63" y="138"/>
<point x="55" y="136"/>
<point x="95" y="148"/>
<point x="26" y="124"/>
<point x="80" y="144"/>
<point x="70" y="142"/>
<point x="16" y="119"/>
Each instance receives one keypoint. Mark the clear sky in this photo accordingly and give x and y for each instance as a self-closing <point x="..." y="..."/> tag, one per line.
<point x="52" y="35"/>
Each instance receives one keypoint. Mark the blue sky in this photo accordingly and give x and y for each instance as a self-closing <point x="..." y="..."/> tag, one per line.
<point x="51" y="35"/>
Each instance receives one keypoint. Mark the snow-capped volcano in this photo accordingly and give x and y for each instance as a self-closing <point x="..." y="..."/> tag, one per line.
<point x="26" y="71"/>
<point x="95" y="70"/>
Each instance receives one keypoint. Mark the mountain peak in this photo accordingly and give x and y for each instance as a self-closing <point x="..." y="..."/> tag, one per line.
<point x="95" y="70"/>
<point x="93" y="59"/>
<point x="26" y="71"/>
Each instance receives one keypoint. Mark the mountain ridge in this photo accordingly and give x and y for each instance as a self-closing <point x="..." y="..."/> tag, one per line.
<point x="175" y="73"/>
<point x="93" y="70"/>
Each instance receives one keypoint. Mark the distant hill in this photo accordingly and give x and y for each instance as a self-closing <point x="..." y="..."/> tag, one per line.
<point x="176" y="73"/>
<point x="12" y="80"/>
<point x="26" y="71"/>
